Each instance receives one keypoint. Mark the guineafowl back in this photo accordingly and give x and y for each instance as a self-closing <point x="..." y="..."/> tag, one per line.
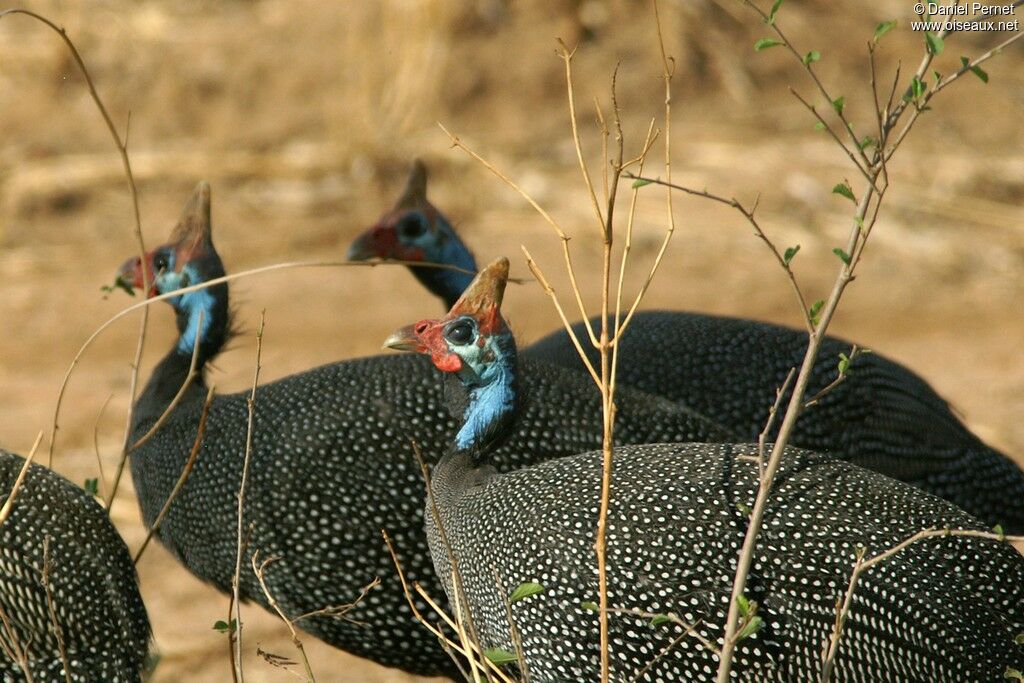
<point x="941" y="610"/>
<point x="91" y="586"/>
<point x="332" y="465"/>
<point x="882" y="416"/>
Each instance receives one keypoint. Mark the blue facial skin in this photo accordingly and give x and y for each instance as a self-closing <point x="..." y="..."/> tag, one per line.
<point x="440" y="245"/>
<point x="198" y="305"/>
<point x="488" y="372"/>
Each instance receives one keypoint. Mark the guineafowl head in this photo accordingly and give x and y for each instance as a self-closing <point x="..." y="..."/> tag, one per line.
<point x="414" y="230"/>
<point x="473" y="344"/>
<point x="189" y="258"/>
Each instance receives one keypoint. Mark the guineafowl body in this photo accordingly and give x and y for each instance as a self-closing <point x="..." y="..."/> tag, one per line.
<point x="883" y="417"/>
<point x="941" y="610"/>
<point x="332" y="465"/>
<point x="93" y="587"/>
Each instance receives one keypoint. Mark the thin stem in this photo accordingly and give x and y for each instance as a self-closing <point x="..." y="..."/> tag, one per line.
<point x="550" y="291"/>
<point x="566" y="54"/>
<point x="182" y="478"/>
<point x="260" y="570"/>
<point x="189" y="378"/>
<point x="250" y="402"/>
<point x="8" y="505"/>
<point x="861" y="565"/>
<point x="456" y="142"/>
<point x="122" y="148"/>
<point x="51" y="608"/>
<point x="770" y="422"/>
<point x="748" y="214"/>
<point x="203" y="285"/>
<point x="102" y="485"/>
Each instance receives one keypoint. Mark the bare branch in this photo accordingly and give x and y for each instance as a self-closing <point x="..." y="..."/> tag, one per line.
<point x="566" y="54"/>
<point x="259" y="569"/>
<point x="544" y="214"/>
<point x="182" y="478"/>
<point x="235" y="634"/>
<point x="748" y="214"/>
<point x="122" y="148"/>
<point x="51" y="608"/>
<point x="8" y="505"/>
<point x="772" y="412"/>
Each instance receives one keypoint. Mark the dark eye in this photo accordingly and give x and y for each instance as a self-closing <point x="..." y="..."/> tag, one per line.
<point x="412" y="225"/>
<point x="460" y="333"/>
<point x="160" y="262"/>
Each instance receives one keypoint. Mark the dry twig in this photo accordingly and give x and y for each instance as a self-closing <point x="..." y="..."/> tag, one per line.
<point x="259" y="569"/>
<point x="51" y="608"/>
<point x="8" y="505"/>
<point x="122" y="148"/>
<point x="182" y="478"/>
<point x="235" y="634"/>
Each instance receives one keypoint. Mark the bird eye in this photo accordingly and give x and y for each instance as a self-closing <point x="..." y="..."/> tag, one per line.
<point x="460" y="333"/>
<point x="413" y="225"/>
<point x="160" y="262"/>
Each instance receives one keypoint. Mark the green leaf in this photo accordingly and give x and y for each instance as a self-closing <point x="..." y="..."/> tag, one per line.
<point x="868" y="141"/>
<point x="976" y="70"/>
<point x="119" y="283"/>
<point x="811" y="56"/>
<point x="843" y="256"/>
<point x="640" y="182"/>
<point x="917" y="87"/>
<point x="884" y="28"/>
<point x="499" y="656"/>
<point x="92" y="487"/>
<point x="1013" y="673"/>
<point x="750" y="628"/>
<point x="659" y="619"/>
<point x="743" y="604"/>
<point x="1019" y="639"/>
<point x="844" y="364"/>
<point x="525" y="590"/>
<point x="934" y="43"/>
<point x="590" y="606"/>
<point x="838" y="104"/>
<point x="771" y="15"/>
<point x="225" y="627"/>
<point x="937" y="76"/>
<point x="814" y="310"/>
<point x="765" y="43"/>
<point x="790" y="253"/>
<point x="844" y="190"/>
<point x="819" y="126"/>
<point x="998" y="530"/>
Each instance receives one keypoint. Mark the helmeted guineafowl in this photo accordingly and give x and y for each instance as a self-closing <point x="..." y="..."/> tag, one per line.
<point x="331" y="462"/>
<point x="941" y="610"/>
<point x="882" y="417"/>
<point x="414" y="230"/>
<point x="101" y="624"/>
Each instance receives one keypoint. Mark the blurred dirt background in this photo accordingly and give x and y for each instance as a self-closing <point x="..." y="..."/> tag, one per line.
<point x="305" y="115"/>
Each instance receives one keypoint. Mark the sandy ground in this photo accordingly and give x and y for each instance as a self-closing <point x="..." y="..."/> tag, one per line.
<point x="304" y="117"/>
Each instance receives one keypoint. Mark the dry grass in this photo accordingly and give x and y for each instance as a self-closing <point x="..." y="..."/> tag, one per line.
<point x="304" y="115"/>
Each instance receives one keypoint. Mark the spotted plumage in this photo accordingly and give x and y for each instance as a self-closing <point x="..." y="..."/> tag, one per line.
<point x="332" y="465"/>
<point x="883" y="417"/>
<point x="942" y="610"/>
<point x="92" y="582"/>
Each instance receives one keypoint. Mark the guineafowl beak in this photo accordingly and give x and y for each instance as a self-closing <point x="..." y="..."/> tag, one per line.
<point x="404" y="339"/>
<point x="378" y="242"/>
<point x="130" y="273"/>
